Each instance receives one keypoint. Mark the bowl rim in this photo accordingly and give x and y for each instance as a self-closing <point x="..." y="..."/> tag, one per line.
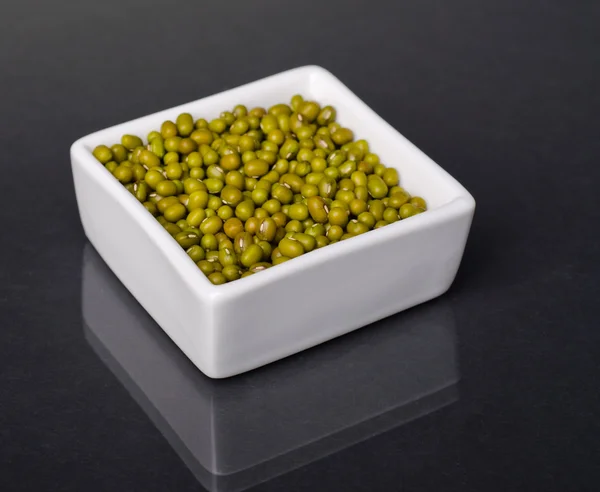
<point x="202" y="287"/>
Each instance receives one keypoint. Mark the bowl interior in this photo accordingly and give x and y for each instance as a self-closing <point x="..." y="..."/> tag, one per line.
<point x="418" y="174"/>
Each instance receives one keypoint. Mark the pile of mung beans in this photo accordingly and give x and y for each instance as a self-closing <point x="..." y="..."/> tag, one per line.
<point x="255" y="188"/>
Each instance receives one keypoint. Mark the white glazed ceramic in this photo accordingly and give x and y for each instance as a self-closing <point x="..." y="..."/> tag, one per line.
<point x="232" y="328"/>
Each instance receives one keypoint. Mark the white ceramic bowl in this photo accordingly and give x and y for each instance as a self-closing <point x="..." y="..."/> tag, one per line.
<point x="232" y="328"/>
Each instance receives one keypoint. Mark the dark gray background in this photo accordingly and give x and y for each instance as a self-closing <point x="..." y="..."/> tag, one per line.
<point x="503" y="94"/>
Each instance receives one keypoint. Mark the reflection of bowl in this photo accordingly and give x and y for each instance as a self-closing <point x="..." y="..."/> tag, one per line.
<point x="235" y="433"/>
<point x="232" y="328"/>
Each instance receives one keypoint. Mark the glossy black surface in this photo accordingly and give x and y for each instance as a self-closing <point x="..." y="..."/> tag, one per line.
<point x="492" y="387"/>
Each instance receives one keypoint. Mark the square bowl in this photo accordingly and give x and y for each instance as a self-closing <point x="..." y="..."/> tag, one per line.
<point x="228" y="329"/>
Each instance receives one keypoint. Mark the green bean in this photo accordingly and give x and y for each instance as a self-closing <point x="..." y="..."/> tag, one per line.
<point x="317" y="209"/>
<point x="251" y="255"/>
<point x="255" y="188"/>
